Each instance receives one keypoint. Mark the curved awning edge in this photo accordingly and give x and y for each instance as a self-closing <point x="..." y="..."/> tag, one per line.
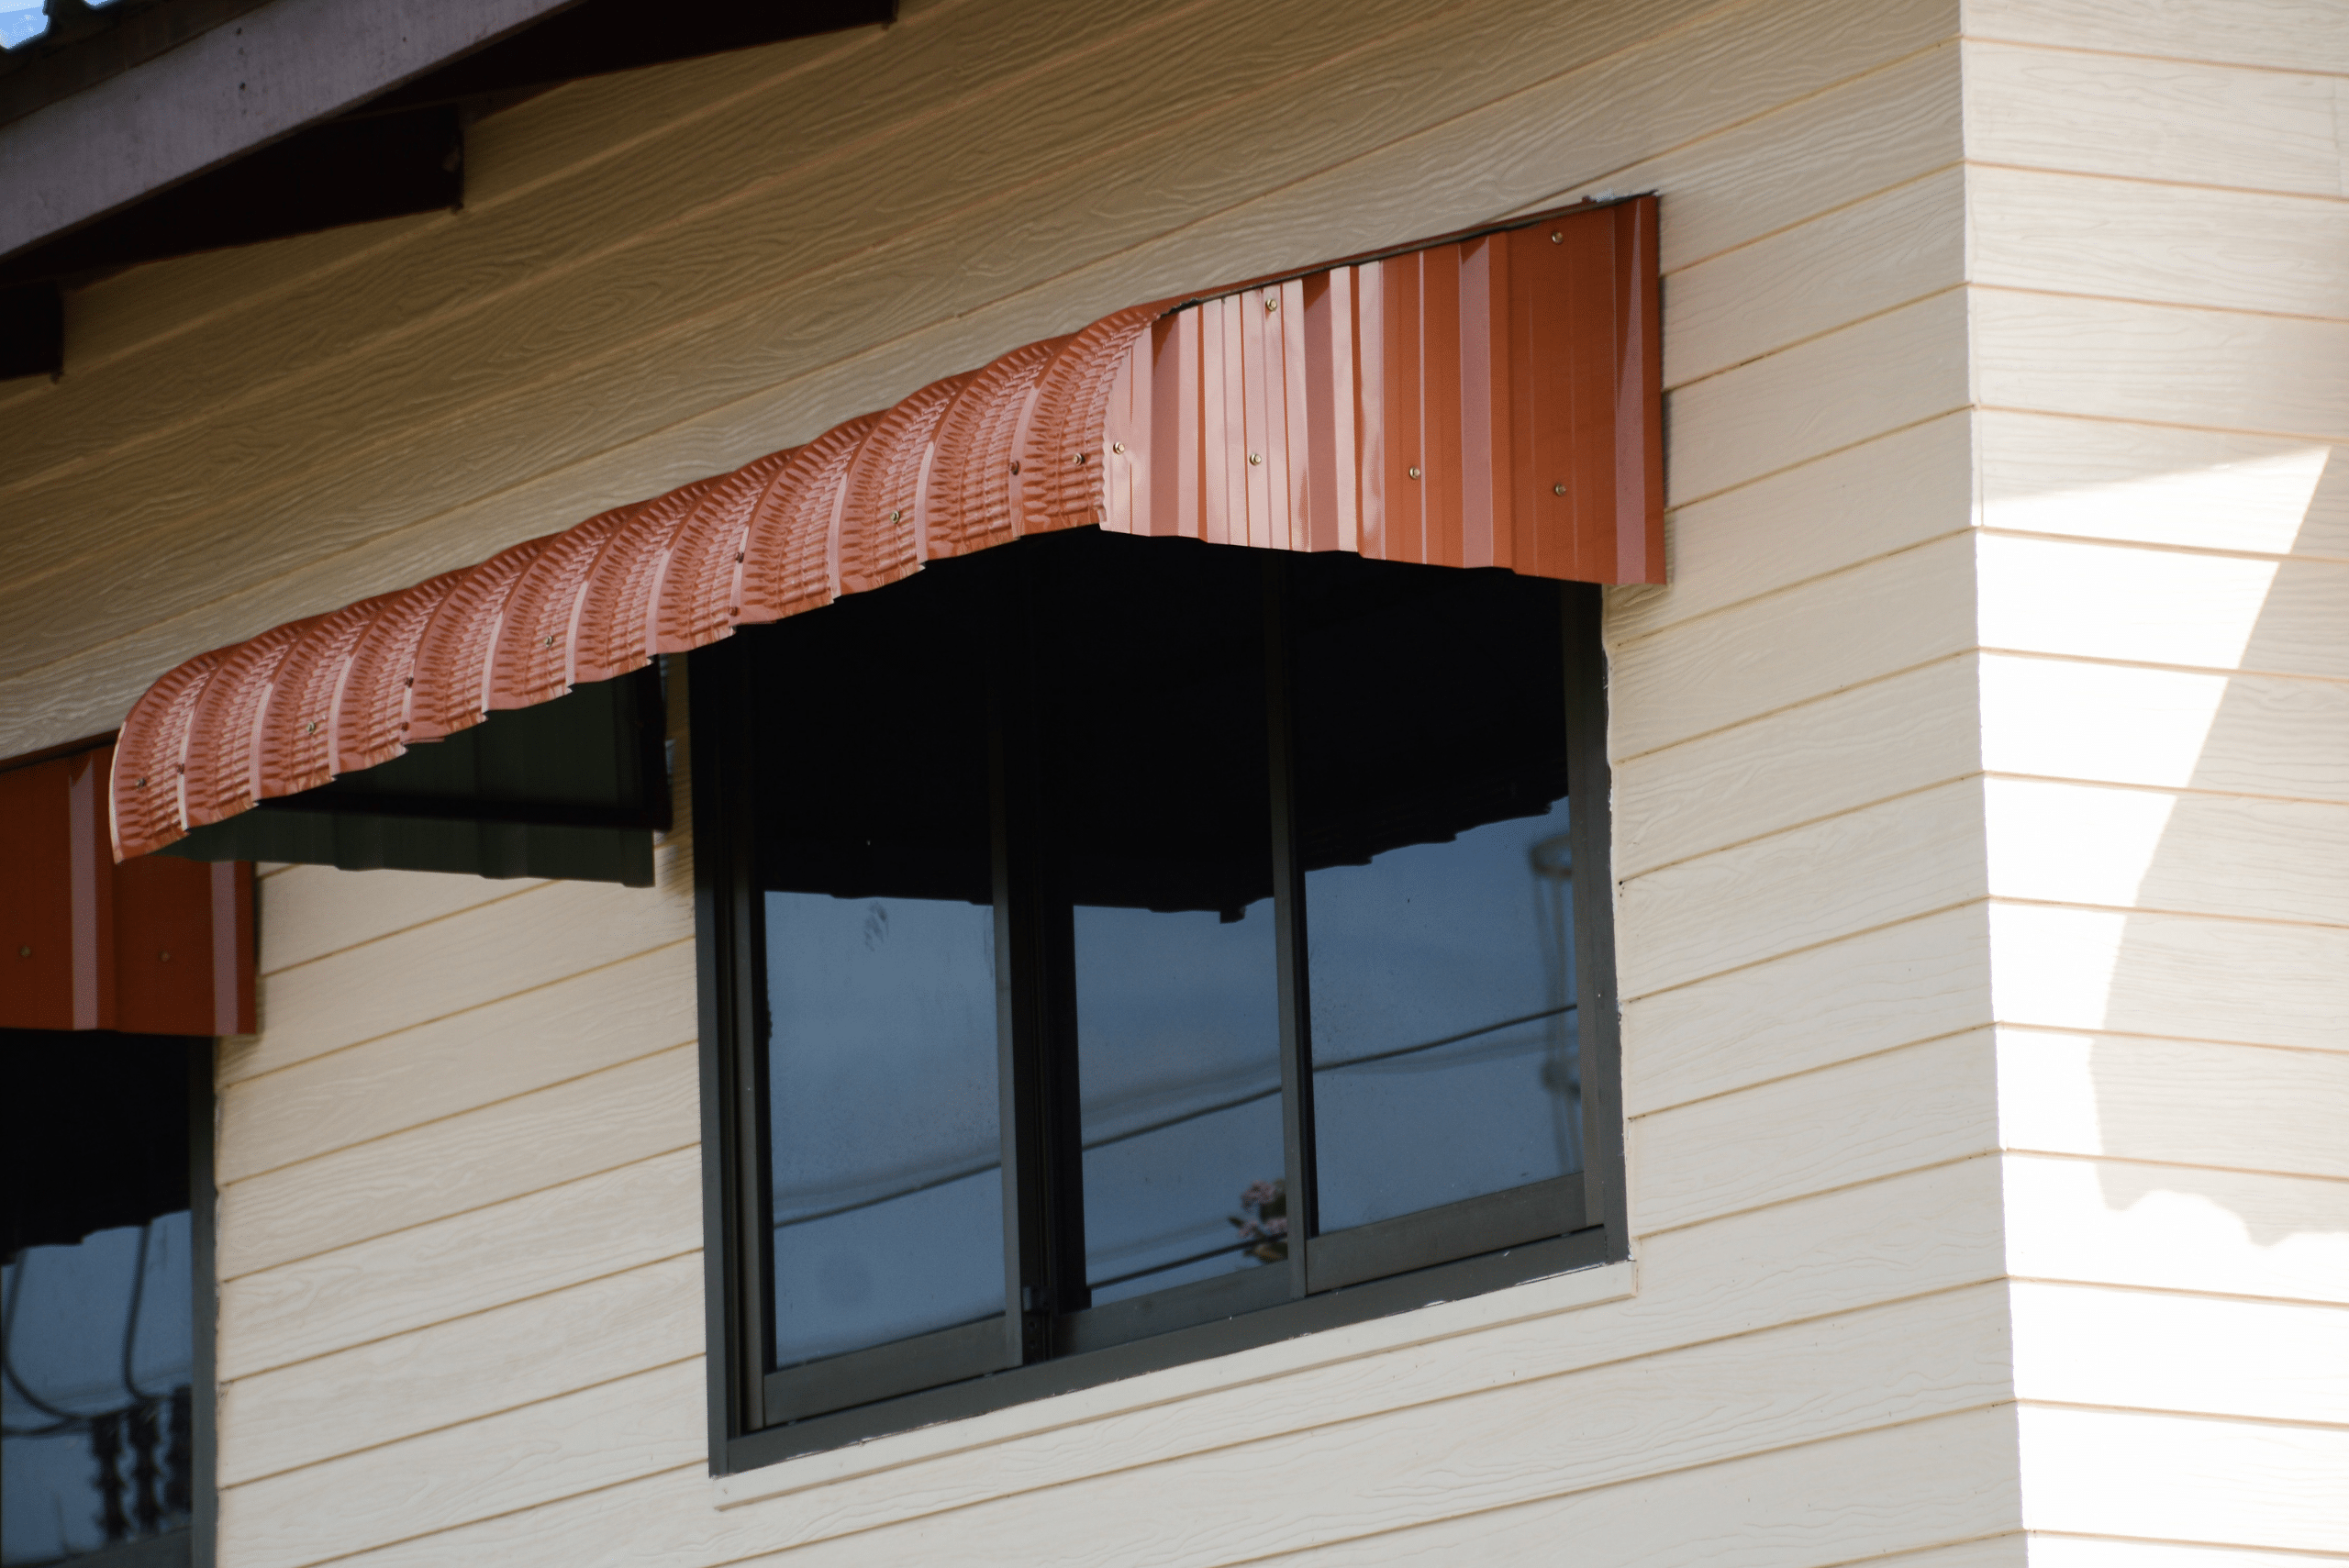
<point x="1492" y="399"/>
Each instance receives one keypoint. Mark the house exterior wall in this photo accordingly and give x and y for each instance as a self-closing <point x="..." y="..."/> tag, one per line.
<point x="1893" y="1164"/>
<point x="2160" y="339"/>
<point x="462" y="1316"/>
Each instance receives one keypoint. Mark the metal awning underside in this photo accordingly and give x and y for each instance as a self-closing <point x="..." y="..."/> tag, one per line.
<point x="1487" y="400"/>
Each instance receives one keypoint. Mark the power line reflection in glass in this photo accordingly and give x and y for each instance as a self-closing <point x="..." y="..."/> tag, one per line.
<point x="1444" y="1054"/>
<point x="883" y="1119"/>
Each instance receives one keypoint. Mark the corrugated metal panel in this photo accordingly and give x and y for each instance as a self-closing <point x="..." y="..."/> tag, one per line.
<point x="791" y="554"/>
<point x="370" y="707"/>
<point x="218" y="770"/>
<point x="293" y="747"/>
<point x="1490" y="400"/>
<point x="699" y="580"/>
<point x="158" y="946"/>
<point x="452" y="675"/>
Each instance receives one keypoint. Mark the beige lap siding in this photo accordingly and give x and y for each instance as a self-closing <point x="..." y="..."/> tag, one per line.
<point x="498" y="1360"/>
<point x="1901" y="771"/>
<point x="659" y="276"/>
<point x="2161" y="336"/>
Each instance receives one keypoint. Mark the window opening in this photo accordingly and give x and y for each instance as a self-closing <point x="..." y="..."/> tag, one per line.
<point x="1141" y="949"/>
<point x="1432" y="817"/>
<point x="1149" y="668"/>
<point x="100" y="1330"/>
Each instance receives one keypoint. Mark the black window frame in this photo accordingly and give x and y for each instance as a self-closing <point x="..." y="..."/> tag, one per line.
<point x="759" y="1417"/>
<point x="196" y="1544"/>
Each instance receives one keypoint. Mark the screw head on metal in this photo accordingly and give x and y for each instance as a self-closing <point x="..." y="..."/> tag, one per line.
<point x="1015" y="465"/>
<point x="1117" y="446"/>
<point x="1557" y="489"/>
<point x="311" y="728"/>
<point x="139" y="784"/>
<point x="1414" y="472"/>
<point x="1271" y="302"/>
<point x="898" y="516"/>
<point x="1077" y="461"/>
<point x="1255" y="457"/>
<point x="24" y="952"/>
<point x="1557" y="236"/>
<point x="547" y="641"/>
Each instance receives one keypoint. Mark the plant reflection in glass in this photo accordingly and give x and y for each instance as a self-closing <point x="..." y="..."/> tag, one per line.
<point x="1267" y="1225"/>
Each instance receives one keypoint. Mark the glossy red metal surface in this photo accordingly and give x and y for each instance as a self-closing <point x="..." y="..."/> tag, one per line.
<point x="1487" y="400"/>
<point x="530" y="662"/>
<point x="371" y="706"/>
<point x="144" y="809"/>
<point x="791" y="553"/>
<point x="153" y="946"/>
<point x="881" y="502"/>
<point x="452" y="678"/>
<point x="698" y="585"/>
<point x="611" y="628"/>
<point x="967" y="503"/>
<point x="217" y="776"/>
<point x="295" y="736"/>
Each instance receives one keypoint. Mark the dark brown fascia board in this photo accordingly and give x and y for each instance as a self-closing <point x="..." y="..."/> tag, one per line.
<point x="228" y="91"/>
<point x="72" y="59"/>
<point x="63" y="749"/>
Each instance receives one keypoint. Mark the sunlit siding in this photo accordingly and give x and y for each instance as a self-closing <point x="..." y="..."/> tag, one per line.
<point x="2160" y="344"/>
<point x="462" y="1316"/>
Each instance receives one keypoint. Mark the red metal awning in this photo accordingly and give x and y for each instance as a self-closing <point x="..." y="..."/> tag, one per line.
<point x="157" y="946"/>
<point x="1487" y="400"/>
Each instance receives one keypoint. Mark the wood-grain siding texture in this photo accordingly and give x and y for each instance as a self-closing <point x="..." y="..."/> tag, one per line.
<point x="460" y="1303"/>
<point x="2158" y="250"/>
<point x="1977" y="794"/>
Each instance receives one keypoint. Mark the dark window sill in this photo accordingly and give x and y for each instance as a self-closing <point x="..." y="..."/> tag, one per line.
<point x="1088" y="1369"/>
<point x="172" y="1549"/>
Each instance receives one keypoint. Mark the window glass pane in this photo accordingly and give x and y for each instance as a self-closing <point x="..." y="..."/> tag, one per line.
<point x="1433" y="822"/>
<point x="1443" y="1061"/>
<point x="1180" y="1059"/>
<point x="1150" y="668"/>
<point x="97" y="1294"/>
<point x="882" y="1119"/>
<point x="878" y="977"/>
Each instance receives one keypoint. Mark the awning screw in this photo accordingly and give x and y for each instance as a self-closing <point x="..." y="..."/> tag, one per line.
<point x="1255" y="458"/>
<point x="1558" y="489"/>
<point x="1415" y="473"/>
<point x="1117" y="446"/>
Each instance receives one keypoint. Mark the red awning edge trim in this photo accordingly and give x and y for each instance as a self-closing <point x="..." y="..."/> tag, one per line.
<point x="1492" y="399"/>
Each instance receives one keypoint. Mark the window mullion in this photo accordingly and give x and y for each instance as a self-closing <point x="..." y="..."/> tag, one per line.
<point x="1036" y="998"/>
<point x="735" y="994"/>
<point x="1288" y="925"/>
<point x="1019" y="1175"/>
<point x="1589" y="788"/>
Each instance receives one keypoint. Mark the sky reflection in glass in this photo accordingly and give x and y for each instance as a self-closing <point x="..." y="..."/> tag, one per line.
<point x="884" y="1130"/>
<point x="1467" y="942"/>
<point x="1178" y="1029"/>
<point x="67" y="1311"/>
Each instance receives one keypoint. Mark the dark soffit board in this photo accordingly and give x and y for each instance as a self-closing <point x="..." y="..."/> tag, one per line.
<point x="575" y="788"/>
<point x="398" y="155"/>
